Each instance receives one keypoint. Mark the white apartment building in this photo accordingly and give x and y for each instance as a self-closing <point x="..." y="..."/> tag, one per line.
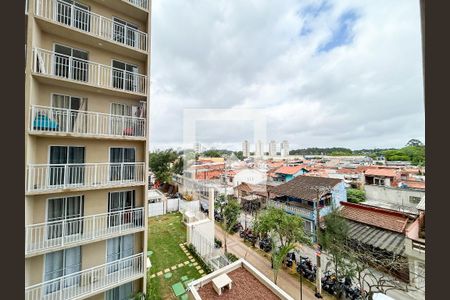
<point x="245" y="149"/>
<point x="86" y="139"/>
<point x="272" y="148"/>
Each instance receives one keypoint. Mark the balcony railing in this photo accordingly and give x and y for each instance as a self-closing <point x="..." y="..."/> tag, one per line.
<point x="291" y="209"/>
<point x="83" y="71"/>
<point x="48" y="177"/>
<point x="418" y="246"/>
<point x="140" y="3"/>
<point x="69" y="232"/>
<point x="59" y="120"/>
<point x="76" y="17"/>
<point x="89" y="281"/>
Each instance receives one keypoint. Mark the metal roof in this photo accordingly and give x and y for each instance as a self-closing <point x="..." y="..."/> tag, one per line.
<point x="377" y="237"/>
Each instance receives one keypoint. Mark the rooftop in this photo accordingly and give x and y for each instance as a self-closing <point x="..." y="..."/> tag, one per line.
<point x="304" y="187"/>
<point x="247" y="283"/>
<point x="375" y="216"/>
<point x="289" y="170"/>
<point x="381" y="172"/>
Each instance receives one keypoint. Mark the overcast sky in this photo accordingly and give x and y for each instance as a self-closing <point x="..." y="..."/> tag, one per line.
<point x="327" y="73"/>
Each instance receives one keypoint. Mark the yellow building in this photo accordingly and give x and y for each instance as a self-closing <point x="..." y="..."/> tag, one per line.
<point x="86" y="139"/>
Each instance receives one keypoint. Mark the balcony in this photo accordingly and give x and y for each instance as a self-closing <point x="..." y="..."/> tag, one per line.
<point x="48" y="178"/>
<point x="89" y="282"/>
<point x="86" y="22"/>
<point x="143" y="4"/>
<point x="67" y="122"/>
<point x="71" y="69"/>
<point x="53" y="236"/>
<point x="302" y="212"/>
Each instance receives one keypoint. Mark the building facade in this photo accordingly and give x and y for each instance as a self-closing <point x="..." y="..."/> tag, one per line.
<point x="86" y="140"/>
<point x="258" y="149"/>
<point x="272" y="148"/>
<point x="245" y="149"/>
<point x="284" y="148"/>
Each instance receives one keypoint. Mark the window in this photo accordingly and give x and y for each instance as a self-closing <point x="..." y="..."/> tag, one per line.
<point x="122" y="163"/>
<point x="124" y="126"/>
<point x="378" y="181"/>
<point x="70" y="63"/>
<point x="119" y="204"/>
<point x="66" y="113"/>
<point x="73" y="14"/>
<point x="62" y="263"/>
<point x="414" y="199"/>
<point x="118" y="248"/>
<point x="125" y="32"/>
<point x="123" y="292"/>
<point x="68" y="210"/>
<point x="124" y="76"/>
<point x="307" y="226"/>
<point x="66" y="165"/>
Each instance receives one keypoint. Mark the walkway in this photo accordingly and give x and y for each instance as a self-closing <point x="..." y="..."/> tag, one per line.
<point x="289" y="283"/>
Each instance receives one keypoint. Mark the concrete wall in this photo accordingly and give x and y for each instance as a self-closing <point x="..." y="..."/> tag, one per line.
<point x="392" y="195"/>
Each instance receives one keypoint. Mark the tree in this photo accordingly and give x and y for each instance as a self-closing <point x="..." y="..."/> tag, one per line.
<point x="160" y="163"/>
<point x="231" y="213"/>
<point x="288" y="229"/>
<point x="239" y="155"/>
<point x="414" y="143"/>
<point x="356" y="195"/>
<point x="278" y="258"/>
<point x="373" y="269"/>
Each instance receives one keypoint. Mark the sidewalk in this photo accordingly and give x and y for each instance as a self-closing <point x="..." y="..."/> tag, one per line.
<point x="286" y="281"/>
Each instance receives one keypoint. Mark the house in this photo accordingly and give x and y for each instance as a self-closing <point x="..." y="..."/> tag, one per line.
<point x="241" y="280"/>
<point x="381" y="233"/>
<point x="380" y="176"/>
<point x="287" y="173"/>
<point x="304" y="195"/>
<point x="252" y="176"/>
<point x="415" y="248"/>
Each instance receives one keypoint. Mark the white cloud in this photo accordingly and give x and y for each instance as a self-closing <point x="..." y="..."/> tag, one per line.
<point x="229" y="53"/>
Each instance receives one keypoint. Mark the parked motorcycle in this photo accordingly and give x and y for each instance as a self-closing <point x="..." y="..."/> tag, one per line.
<point x="306" y="268"/>
<point x="265" y="244"/>
<point x="330" y="283"/>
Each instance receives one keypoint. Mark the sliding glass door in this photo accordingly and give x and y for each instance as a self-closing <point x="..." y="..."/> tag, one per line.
<point x="71" y="63"/>
<point x="66" y="113"/>
<point x="118" y="204"/>
<point x="65" y="214"/>
<point x="118" y="248"/>
<point x="62" y="263"/>
<point x="122" y="164"/>
<point x="124" y="76"/>
<point x="124" y="32"/>
<point x="66" y="165"/>
<point x="74" y="14"/>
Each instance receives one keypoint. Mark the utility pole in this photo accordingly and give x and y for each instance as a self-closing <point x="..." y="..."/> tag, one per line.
<point x="320" y="190"/>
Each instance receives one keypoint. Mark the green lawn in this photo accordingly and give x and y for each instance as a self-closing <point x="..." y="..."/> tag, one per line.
<point x="166" y="233"/>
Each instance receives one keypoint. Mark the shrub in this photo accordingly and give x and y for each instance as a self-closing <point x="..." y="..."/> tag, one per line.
<point x="208" y="269"/>
<point x="231" y="257"/>
<point x="217" y="243"/>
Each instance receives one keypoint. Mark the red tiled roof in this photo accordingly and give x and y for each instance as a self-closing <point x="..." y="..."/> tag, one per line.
<point x="290" y="170"/>
<point x="415" y="184"/>
<point x="380" y="172"/>
<point x="374" y="216"/>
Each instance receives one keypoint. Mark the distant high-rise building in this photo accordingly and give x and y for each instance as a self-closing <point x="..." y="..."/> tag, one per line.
<point x="245" y="149"/>
<point x="284" y="148"/>
<point x="272" y="148"/>
<point x="258" y="149"/>
<point x="198" y="147"/>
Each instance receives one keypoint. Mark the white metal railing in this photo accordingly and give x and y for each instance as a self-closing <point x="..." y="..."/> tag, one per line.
<point x="50" y="235"/>
<point x="418" y="246"/>
<point x="76" y="17"/>
<point x="72" y="68"/>
<point x="291" y="209"/>
<point x="140" y="3"/>
<point x="47" y="177"/>
<point x="60" y="120"/>
<point x="88" y="281"/>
